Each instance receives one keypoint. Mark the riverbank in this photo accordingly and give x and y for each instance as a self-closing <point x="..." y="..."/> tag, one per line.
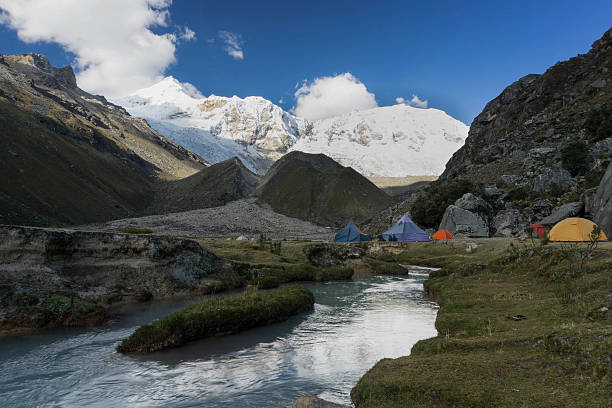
<point x="518" y="326"/>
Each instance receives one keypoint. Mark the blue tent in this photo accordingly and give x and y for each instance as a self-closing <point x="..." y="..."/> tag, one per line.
<point x="405" y="230"/>
<point x="351" y="233"/>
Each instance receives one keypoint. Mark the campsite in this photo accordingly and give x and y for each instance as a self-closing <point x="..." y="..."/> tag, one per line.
<point x="266" y="204"/>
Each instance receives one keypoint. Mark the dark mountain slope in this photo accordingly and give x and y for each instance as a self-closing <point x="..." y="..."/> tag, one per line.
<point x="68" y="157"/>
<point x="211" y="187"/>
<point x="315" y="188"/>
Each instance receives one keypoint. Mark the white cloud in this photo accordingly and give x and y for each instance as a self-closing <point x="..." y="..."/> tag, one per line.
<point x="187" y="34"/>
<point x="332" y="96"/>
<point x="233" y="44"/>
<point x="415" y="101"/>
<point x="115" y="50"/>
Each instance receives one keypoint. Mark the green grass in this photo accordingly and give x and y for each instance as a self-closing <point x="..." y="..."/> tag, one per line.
<point x="558" y="356"/>
<point x="219" y="316"/>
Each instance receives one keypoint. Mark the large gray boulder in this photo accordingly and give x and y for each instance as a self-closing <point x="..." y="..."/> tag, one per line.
<point x="602" y="205"/>
<point x="463" y="223"/>
<point x="474" y="204"/>
<point x="507" y="223"/>
<point x="574" y="209"/>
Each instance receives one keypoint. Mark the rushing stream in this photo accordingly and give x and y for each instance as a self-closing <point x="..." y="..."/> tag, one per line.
<point x="325" y="352"/>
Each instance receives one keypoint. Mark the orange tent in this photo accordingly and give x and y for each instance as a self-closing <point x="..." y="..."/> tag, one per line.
<point x="442" y="234"/>
<point x="574" y="229"/>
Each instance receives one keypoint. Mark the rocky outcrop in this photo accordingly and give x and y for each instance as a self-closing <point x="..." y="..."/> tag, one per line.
<point x="45" y="273"/>
<point x="574" y="209"/>
<point x="69" y="157"/>
<point x="310" y="401"/>
<point x="602" y="206"/>
<point x="332" y="255"/>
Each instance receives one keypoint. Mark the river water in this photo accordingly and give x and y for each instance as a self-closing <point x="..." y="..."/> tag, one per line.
<point x="324" y="352"/>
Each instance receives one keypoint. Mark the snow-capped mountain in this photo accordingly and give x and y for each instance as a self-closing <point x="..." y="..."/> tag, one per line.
<point x="392" y="141"/>
<point x="216" y="127"/>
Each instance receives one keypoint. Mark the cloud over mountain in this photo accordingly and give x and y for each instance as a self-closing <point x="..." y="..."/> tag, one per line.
<point x="332" y="96"/>
<point x="116" y="52"/>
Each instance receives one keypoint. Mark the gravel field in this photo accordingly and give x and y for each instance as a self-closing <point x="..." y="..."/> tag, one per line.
<point x="231" y="220"/>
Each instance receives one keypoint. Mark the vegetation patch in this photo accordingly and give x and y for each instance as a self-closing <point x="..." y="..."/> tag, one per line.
<point x="134" y="230"/>
<point x="519" y="325"/>
<point x="219" y="316"/>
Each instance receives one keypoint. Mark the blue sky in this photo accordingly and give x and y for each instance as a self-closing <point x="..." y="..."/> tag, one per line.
<point x="456" y="55"/>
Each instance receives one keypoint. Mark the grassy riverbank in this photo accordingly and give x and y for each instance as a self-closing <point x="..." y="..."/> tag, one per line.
<point x="519" y="327"/>
<point x="219" y="316"/>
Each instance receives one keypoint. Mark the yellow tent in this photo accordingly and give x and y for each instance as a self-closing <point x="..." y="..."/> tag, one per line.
<point x="574" y="229"/>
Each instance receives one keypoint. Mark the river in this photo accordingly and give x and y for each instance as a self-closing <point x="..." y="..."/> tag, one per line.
<point x="325" y="352"/>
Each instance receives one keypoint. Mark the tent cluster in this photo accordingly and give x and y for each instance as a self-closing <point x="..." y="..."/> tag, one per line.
<point x="404" y="230"/>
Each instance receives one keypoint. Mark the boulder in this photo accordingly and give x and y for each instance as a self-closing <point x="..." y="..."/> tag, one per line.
<point x="463" y="223"/>
<point x="329" y="254"/>
<point x="507" y="223"/>
<point x="549" y="180"/>
<point x="574" y="209"/>
<point x="476" y="205"/>
<point x="493" y="191"/>
<point x="542" y="208"/>
<point x="310" y="401"/>
<point x="602" y="203"/>
<point x="588" y="198"/>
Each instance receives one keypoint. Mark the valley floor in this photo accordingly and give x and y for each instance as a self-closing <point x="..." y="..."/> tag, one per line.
<point x="231" y="220"/>
<point x="517" y="328"/>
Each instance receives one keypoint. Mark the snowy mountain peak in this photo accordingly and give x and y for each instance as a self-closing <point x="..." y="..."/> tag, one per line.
<point x="397" y="140"/>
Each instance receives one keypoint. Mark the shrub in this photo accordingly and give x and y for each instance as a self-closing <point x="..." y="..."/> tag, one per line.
<point x="599" y="124"/>
<point x="265" y="282"/>
<point x="429" y="207"/>
<point x="134" y="230"/>
<point x="575" y="157"/>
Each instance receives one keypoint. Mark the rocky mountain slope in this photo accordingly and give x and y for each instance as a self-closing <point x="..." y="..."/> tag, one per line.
<point x="390" y="141"/>
<point x="213" y="186"/>
<point x="70" y="157"/>
<point x="315" y="188"/>
<point x="545" y="141"/>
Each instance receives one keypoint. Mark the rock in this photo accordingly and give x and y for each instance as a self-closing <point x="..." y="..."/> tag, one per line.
<point x="507" y="223"/>
<point x="463" y="223"/>
<point x="542" y="207"/>
<point x="588" y="198"/>
<point x="602" y="203"/>
<point x="540" y="152"/>
<point x="329" y="255"/>
<point x="493" y="191"/>
<point x="509" y="179"/>
<point x="549" y="180"/>
<point x="475" y="204"/>
<point x="566" y="210"/>
<point x="600" y="83"/>
<point x="93" y="268"/>
<point x="309" y="401"/>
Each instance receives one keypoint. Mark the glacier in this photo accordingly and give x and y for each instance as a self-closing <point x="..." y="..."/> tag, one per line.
<point x="388" y="141"/>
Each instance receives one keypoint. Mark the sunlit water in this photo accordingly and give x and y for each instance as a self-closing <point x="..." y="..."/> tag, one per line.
<point x="324" y="352"/>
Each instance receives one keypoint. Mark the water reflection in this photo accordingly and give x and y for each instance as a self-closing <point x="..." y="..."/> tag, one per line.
<point x="354" y="324"/>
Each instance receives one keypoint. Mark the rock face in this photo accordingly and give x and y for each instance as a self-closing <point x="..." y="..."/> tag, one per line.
<point x="463" y="223"/>
<point x="602" y="207"/>
<point x="315" y="188"/>
<point x="69" y="157"/>
<point x="508" y="223"/>
<point x="45" y="273"/>
<point x="574" y="209"/>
